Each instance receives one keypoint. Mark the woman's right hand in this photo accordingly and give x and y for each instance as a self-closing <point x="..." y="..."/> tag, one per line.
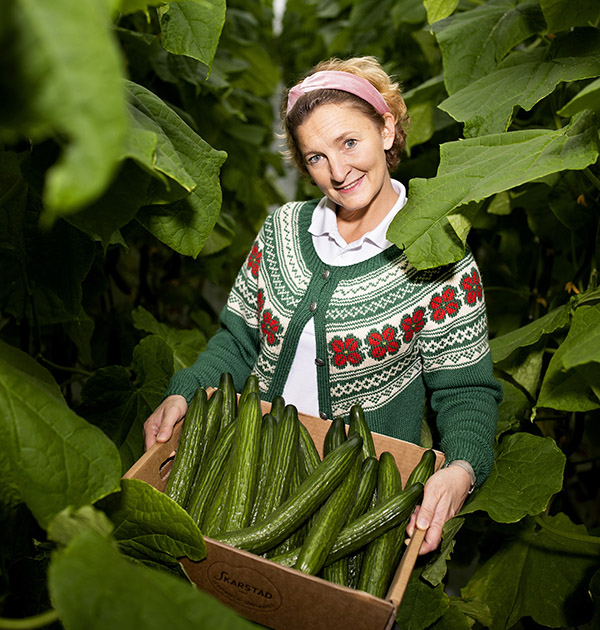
<point x="159" y="425"/>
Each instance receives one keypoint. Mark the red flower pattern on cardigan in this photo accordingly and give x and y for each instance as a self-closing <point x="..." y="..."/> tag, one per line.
<point x="383" y="342"/>
<point x="254" y="260"/>
<point x="412" y="324"/>
<point x="471" y="283"/>
<point x="345" y="351"/>
<point x="444" y="304"/>
<point x="270" y="326"/>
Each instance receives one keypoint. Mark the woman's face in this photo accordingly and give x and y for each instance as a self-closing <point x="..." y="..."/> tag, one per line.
<point x="344" y="153"/>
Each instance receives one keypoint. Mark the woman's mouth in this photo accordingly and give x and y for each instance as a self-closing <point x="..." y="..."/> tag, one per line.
<point x="350" y="187"/>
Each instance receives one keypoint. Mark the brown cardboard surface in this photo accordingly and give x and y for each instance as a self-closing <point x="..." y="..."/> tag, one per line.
<point x="279" y="597"/>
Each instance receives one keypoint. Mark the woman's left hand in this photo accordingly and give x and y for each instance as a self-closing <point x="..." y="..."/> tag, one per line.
<point x="443" y="496"/>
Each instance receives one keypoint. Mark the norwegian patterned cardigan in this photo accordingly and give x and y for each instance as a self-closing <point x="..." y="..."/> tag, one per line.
<point x="385" y="335"/>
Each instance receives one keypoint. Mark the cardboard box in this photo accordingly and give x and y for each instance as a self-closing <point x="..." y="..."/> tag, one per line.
<point x="279" y="597"/>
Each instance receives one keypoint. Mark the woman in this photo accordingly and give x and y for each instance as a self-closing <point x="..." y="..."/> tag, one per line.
<point x="328" y="313"/>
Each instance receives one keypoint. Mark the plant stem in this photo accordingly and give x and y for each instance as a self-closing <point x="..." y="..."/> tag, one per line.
<point x="595" y="540"/>
<point x="63" y="368"/>
<point x="588" y="173"/>
<point x="37" y="621"/>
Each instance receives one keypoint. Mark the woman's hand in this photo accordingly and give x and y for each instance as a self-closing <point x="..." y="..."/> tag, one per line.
<point x="444" y="494"/>
<point x="159" y="425"/>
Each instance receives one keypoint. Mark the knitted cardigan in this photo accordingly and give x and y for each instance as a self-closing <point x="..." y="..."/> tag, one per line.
<point x="386" y="335"/>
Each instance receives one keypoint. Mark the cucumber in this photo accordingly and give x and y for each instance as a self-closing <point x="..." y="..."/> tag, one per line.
<point x="424" y="469"/>
<point x="188" y="451"/>
<point x="229" y="398"/>
<point x="366" y="528"/>
<point x="377" y="564"/>
<point x="309" y="496"/>
<point x="212" y="425"/>
<point x="213" y="521"/>
<point x="251" y="386"/>
<point x="336" y="434"/>
<point x="345" y="571"/>
<point x="269" y="423"/>
<point x="209" y="475"/>
<point x="358" y="425"/>
<point x="328" y="523"/>
<point x="281" y="465"/>
<point x="243" y="466"/>
<point x="278" y="407"/>
<point x="308" y="450"/>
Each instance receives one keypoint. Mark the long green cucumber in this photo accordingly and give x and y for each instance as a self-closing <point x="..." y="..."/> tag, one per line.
<point x="367" y="527"/>
<point x="358" y="424"/>
<point x="229" y="398"/>
<point x="424" y="469"/>
<point x="328" y="523"/>
<point x="187" y="454"/>
<point x="308" y="450"/>
<point x="336" y="434"/>
<point x="277" y="407"/>
<point x="309" y="496"/>
<point x="243" y="466"/>
<point x="281" y="465"/>
<point x="213" y="519"/>
<point x="251" y="386"/>
<point x="209" y="475"/>
<point x="377" y="562"/>
<point x="214" y="416"/>
<point x="345" y="569"/>
<point x="267" y="440"/>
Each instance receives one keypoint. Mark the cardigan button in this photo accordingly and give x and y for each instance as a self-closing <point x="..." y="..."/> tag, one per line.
<point x="325" y="274"/>
<point x="323" y="415"/>
<point x="313" y="307"/>
<point x="319" y="362"/>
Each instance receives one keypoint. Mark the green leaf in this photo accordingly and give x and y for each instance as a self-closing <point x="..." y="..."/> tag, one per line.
<point x="67" y="524"/>
<point x="474" y="42"/>
<point x="151" y="527"/>
<point x="472" y="170"/>
<point x="527" y="472"/>
<point x="194" y="165"/>
<point x="439" y="9"/>
<point x="571" y="382"/>
<point x="192" y="28"/>
<point x="94" y="587"/>
<point x="49" y="48"/>
<point x="454" y="619"/>
<point x="536" y="573"/>
<point x="588" y="98"/>
<point x="57" y="458"/>
<point x="502" y="347"/>
<point x="514" y="408"/>
<point x="435" y="570"/>
<point x="563" y="15"/>
<point x="421" y="604"/>
<point x="186" y="344"/>
<point x="522" y="80"/>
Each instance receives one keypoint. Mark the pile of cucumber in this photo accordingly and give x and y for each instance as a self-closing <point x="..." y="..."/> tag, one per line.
<point x="257" y="482"/>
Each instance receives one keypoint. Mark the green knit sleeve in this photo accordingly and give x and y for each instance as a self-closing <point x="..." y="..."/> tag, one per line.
<point x="234" y="347"/>
<point x="457" y="367"/>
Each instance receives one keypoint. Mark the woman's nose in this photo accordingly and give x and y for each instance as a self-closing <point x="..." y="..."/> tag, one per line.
<point x="338" y="168"/>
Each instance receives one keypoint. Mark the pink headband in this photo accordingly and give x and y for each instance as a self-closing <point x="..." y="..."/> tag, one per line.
<point x="337" y="80"/>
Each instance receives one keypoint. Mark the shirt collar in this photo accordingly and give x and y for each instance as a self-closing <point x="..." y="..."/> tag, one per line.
<point x="324" y="221"/>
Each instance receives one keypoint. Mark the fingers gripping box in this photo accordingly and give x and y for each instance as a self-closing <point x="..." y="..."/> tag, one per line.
<point x="279" y="597"/>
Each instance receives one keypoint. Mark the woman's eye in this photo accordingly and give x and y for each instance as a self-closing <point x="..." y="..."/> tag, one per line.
<point x="313" y="159"/>
<point x="350" y="143"/>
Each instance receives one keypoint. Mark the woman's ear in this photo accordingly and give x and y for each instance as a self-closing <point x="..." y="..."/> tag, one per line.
<point x="388" y="133"/>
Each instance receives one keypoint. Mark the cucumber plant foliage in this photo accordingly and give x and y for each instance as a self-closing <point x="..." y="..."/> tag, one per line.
<point x="137" y="164"/>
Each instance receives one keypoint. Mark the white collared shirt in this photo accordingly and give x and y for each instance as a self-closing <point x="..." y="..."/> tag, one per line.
<point x="301" y="385"/>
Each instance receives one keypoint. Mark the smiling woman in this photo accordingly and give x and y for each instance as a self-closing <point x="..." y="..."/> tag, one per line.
<point x="329" y="313"/>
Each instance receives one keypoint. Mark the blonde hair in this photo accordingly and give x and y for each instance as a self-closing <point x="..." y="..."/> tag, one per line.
<point x="368" y="68"/>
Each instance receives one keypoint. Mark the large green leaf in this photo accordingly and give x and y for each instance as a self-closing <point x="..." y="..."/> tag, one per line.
<point x="542" y="571"/>
<point x="49" y="48"/>
<point x="151" y="527"/>
<point x="557" y="319"/>
<point x="474" y="42"/>
<point x="186" y="344"/>
<point x="522" y="80"/>
<point x="439" y="9"/>
<point x="572" y="380"/>
<point x="434" y="223"/>
<point x="562" y="15"/>
<point x="56" y="457"/>
<point x="421" y="604"/>
<point x="186" y="158"/>
<point x="192" y="28"/>
<point x="94" y="587"/>
<point x="588" y="98"/>
<point x="527" y="472"/>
